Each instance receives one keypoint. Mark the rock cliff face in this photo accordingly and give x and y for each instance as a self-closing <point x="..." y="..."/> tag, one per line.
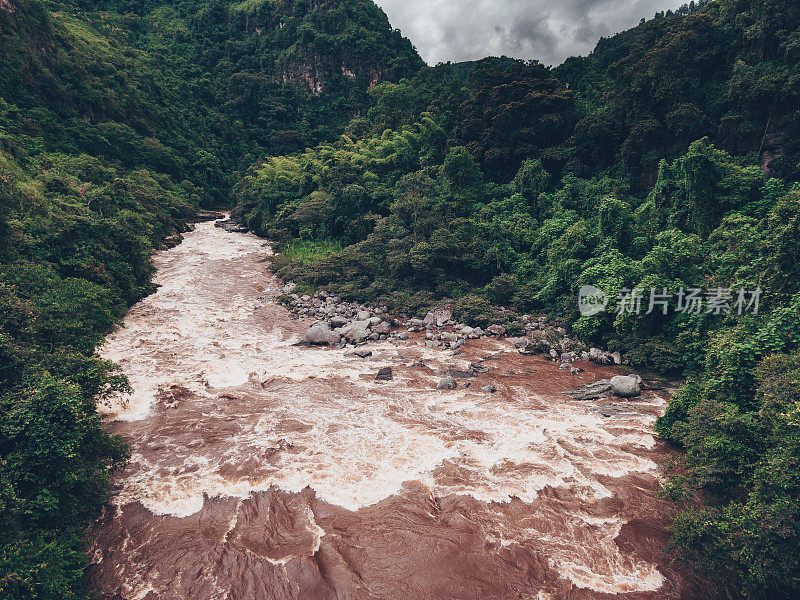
<point x="323" y="46"/>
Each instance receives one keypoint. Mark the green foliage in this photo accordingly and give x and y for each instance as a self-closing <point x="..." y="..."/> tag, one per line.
<point x="528" y="191"/>
<point x="750" y="540"/>
<point x="666" y="159"/>
<point x="727" y="70"/>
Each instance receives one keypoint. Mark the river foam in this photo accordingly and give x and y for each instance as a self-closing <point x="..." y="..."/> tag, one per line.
<point x="233" y="424"/>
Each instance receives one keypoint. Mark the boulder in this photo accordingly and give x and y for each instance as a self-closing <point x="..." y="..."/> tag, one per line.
<point x="520" y="343"/>
<point x="449" y="337"/>
<point x="321" y="335"/>
<point x="384" y="374"/>
<point x="438" y="316"/>
<point x="446" y="383"/>
<point x="382" y="327"/>
<point x="458" y="374"/>
<point x="338" y="321"/>
<point x="496" y="329"/>
<point x="491" y="388"/>
<point x="598" y="356"/>
<point x="625" y="386"/>
<point x="355" y="332"/>
<point x="591" y="391"/>
<point x="402" y="335"/>
<point x="363" y="315"/>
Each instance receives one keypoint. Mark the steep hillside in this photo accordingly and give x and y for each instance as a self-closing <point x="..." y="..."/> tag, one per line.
<point x="727" y="71"/>
<point x="116" y="126"/>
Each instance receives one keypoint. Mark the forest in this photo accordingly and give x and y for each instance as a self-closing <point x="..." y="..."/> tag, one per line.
<point x="667" y="159"/>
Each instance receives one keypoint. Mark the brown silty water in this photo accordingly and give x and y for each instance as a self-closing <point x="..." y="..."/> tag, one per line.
<point x="263" y="470"/>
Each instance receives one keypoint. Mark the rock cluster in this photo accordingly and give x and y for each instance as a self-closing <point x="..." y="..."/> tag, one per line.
<point x="340" y="323"/>
<point x="230" y="226"/>
<point x="624" y="386"/>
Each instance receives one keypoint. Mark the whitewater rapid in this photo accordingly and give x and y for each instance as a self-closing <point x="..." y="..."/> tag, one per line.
<point x="261" y="469"/>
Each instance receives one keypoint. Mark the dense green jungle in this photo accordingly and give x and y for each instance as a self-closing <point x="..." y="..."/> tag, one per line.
<point x="668" y="158"/>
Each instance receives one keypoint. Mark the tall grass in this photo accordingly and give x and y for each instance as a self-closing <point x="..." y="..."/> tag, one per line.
<point x="306" y="252"/>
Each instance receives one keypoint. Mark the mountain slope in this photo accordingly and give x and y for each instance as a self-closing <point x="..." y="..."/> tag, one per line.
<point x="115" y="127"/>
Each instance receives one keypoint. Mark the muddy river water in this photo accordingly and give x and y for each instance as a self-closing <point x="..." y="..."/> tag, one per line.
<point x="265" y="470"/>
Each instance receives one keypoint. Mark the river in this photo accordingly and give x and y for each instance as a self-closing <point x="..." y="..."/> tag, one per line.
<point x="265" y="470"/>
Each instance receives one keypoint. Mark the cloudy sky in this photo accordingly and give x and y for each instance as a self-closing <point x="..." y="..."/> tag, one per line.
<point x="547" y="30"/>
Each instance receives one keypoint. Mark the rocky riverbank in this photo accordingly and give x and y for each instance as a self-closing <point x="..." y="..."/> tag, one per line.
<point x="339" y="323"/>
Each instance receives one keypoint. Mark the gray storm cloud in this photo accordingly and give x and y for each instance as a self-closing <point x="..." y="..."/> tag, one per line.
<point x="547" y="30"/>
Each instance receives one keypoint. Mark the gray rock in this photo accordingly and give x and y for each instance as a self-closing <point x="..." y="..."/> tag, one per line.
<point x="591" y="391"/>
<point x="479" y="367"/>
<point x="496" y="329"/>
<point x="467" y="330"/>
<point x="438" y="316"/>
<point x="321" y="335"/>
<point x="567" y="356"/>
<point x="625" y="386"/>
<point x="458" y="374"/>
<point x="491" y="388"/>
<point x="374" y="321"/>
<point x="363" y="353"/>
<point x="355" y="332"/>
<point x="519" y="342"/>
<point x="449" y="337"/>
<point x="338" y="321"/>
<point x="363" y="315"/>
<point x="402" y="335"/>
<point x="446" y="383"/>
<point x="384" y="374"/>
<point x="382" y="327"/>
<point x="598" y="356"/>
